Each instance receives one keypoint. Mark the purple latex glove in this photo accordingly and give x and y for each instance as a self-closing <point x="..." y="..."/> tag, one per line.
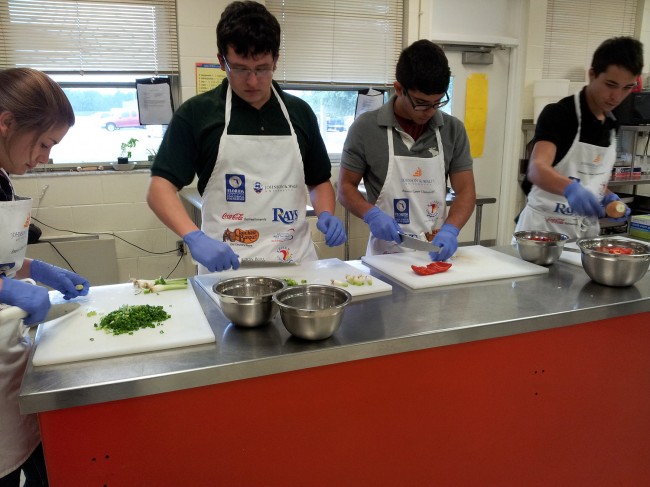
<point x="609" y="197"/>
<point x="382" y="226"/>
<point x="582" y="201"/>
<point x="70" y="284"/>
<point x="332" y="227"/>
<point x="35" y="300"/>
<point x="214" y="255"/>
<point x="447" y="240"/>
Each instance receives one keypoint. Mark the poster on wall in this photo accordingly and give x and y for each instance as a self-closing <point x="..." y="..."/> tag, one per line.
<point x="154" y="101"/>
<point x="208" y="77"/>
<point x="476" y="108"/>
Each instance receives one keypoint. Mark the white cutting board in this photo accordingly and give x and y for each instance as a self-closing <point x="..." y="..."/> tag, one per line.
<point x="470" y="264"/>
<point x="314" y="272"/>
<point x="68" y="339"/>
<point x="575" y="258"/>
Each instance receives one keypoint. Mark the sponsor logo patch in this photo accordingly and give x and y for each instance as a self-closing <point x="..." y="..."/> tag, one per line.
<point x="242" y="236"/>
<point x="235" y="187"/>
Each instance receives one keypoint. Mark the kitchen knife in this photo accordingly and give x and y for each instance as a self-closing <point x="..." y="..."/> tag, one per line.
<point x="417" y="244"/>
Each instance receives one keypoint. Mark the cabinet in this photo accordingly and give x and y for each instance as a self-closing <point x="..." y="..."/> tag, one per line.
<point x="631" y="157"/>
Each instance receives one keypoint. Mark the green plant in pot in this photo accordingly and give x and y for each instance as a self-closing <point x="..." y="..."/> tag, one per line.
<point x="126" y="147"/>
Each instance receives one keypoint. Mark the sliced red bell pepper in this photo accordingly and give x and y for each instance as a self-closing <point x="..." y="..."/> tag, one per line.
<point x="432" y="268"/>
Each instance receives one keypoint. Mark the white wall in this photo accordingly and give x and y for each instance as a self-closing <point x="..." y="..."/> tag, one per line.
<point x="108" y="201"/>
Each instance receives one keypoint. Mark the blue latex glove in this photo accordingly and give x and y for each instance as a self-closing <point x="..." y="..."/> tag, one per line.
<point x="214" y="255"/>
<point x="609" y="197"/>
<point x="332" y="227"/>
<point x="447" y="240"/>
<point x="382" y="226"/>
<point x="582" y="201"/>
<point x="60" y="279"/>
<point x="35" y="300"/>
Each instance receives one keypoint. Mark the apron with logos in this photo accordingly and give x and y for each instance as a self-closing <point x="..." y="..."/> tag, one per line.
<point x="592" y="166"/>
<point x="19" y="433"/>
<point x="256" y="198"/>
<point x="413" y="194"/>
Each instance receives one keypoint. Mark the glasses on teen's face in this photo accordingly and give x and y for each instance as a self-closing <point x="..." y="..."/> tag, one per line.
<point x="244" y="73"/>
<point x="422" y="107"/>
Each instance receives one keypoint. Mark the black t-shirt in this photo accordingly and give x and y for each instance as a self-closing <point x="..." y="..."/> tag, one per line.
<point x="558" y="124"/>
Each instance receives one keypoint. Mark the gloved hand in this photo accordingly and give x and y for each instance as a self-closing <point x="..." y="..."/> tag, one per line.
<point x="214" y="255"/>
<point x="382" y="226"/>
<point x="70" y="284"/>
<point x="33" y="299"/>
<point x="332" y="227"/>
<point x="447" y="240"/>
<point x="609" y="197"/>
<point x="582" y="201"/>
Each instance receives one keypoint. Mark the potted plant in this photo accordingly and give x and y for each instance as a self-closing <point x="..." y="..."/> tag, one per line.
<point x="152" y="154"/>
<point x="126" y="147"/>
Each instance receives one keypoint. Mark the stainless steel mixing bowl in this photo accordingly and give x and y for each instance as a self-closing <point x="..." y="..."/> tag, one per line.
<point x="541" y="248"/>
<point x="312" y="311"/>
<point x="248" y="301"/>
<point x="614" y="269"/>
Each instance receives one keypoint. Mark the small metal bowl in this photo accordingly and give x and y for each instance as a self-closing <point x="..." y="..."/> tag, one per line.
<point x="541" y="248"/>
<point x="614" y="269"/>
<point x="312" y="311"/>
<point x="248" y="301"/>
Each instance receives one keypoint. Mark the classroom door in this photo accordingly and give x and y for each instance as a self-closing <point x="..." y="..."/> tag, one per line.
<point x="489" y="165"/>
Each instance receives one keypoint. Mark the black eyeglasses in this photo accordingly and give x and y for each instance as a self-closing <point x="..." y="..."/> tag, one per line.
<point x="422" y="107"/>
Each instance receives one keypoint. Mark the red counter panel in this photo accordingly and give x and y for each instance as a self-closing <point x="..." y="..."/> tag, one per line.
<point x="563" y="407"/>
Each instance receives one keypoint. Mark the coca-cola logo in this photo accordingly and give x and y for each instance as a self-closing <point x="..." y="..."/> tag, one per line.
<point x="232" y="216"/>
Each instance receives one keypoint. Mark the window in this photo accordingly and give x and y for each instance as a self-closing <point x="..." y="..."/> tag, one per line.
<point x="575" y="29"/>
<point x="95" y="49"/>
<point x="330" y="50"/>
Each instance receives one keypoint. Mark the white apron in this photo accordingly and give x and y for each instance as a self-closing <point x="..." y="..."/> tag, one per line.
<point x="413" y="194"/>
<point x="592" y="166"/>
<point x="256" y="197"/>
<point x="19" y="434"/>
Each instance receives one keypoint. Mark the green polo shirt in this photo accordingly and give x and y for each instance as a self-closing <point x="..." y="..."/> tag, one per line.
<point x="191" y="142"/>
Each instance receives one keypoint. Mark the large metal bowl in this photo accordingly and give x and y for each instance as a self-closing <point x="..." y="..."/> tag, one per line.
<point x="312" y="311"/>
<point x="614" y="269"/>
<point x="248" y="301"/>
<point x="541" y="248"/>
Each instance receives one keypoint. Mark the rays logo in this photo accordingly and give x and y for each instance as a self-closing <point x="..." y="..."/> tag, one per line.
<point x="235" y="187"/>
<point x="257" y="187"/>
<point x="285" y="254"/>
<point x="285" y="216"/>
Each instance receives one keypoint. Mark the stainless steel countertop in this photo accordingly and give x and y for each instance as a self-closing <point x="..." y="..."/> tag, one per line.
<point x="404" y="321"/>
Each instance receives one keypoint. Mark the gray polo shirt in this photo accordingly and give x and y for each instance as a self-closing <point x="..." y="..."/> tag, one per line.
<point x="366" y="147"/>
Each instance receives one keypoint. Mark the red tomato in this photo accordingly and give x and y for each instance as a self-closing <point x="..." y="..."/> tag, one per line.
<point x="432" y="268"/>
<point x="615" y="250"/>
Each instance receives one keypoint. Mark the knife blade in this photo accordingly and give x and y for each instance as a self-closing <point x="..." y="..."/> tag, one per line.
<point x="416" y="244"/>
<point x="246" y="263"/>
<point x="56" y="312"/>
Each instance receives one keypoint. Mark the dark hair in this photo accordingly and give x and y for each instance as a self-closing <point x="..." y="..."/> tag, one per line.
<point x="625" y="52"/>
<point x="423" y="66"/>
<point x="250" y="29"/>
<point x="36" y="102"/>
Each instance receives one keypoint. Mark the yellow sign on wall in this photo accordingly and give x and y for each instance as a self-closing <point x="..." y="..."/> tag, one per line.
<point x="208" y="77"/>
<point x="476" y="107"/>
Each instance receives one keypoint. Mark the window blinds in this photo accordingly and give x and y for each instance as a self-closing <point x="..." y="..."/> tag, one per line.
<point x="575" y="29"/>
<point x="91" y="36"/>
<point x="338" y="41"/>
